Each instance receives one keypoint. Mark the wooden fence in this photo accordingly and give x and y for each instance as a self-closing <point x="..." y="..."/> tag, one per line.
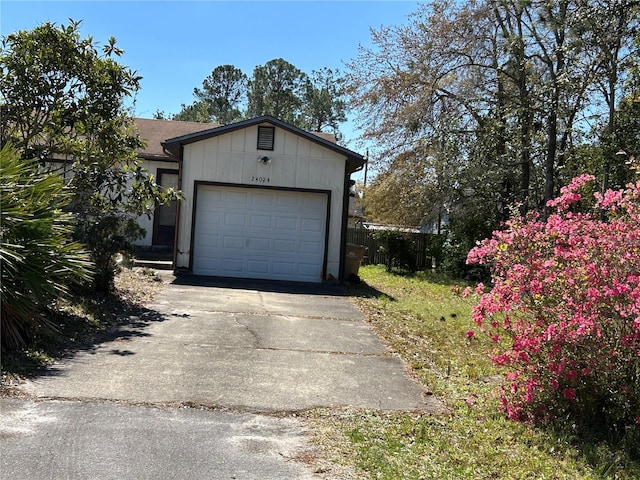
<point x="421" y="251"/>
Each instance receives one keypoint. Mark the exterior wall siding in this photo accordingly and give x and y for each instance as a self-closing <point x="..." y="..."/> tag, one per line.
<point x="146" y="221"/>
<point x="296" y="163"/>
<point x="65" y="170"/>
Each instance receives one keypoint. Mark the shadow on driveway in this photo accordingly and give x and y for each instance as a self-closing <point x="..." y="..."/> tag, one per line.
<point x="327" y="289"/>
<point x="114" y="321"/>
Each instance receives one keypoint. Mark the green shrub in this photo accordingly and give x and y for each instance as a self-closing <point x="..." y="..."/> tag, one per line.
<point x="399" y="248"/>
<point x="39" y="262"/>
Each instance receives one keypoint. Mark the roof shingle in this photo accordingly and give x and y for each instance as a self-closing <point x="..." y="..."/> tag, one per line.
<point x="154" y="132"/>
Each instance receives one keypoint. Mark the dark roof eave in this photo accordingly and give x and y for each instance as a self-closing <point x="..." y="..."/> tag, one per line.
<point x="355" y="166"/>
<point x="173" y="148"/>
<point x="159" y="157"/>
<point x="355" y="161"/>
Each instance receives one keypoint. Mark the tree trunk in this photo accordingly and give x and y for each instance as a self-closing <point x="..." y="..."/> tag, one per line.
<point x="550" y="160"/>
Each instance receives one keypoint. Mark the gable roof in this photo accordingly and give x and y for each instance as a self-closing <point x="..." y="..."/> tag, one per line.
<point x="174" y="145"/>
<point x="154" y="132"/>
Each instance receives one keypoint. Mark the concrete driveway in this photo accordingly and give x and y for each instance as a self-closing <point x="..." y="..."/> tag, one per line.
<point x="186" y="390"/>
<point x="255" y="346"/>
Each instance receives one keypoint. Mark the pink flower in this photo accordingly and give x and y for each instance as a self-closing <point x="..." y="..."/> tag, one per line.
<point x="536" y="287"/>
<point x="571" y="375"/>
<point x="565" y="291"/>
<point x="470" y="333"/>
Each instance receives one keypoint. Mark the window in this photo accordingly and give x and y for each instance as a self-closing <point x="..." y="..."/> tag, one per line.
<point x="265" y="137"/>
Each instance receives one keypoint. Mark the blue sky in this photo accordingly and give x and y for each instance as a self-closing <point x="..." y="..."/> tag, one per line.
<point x="174" y="45"/>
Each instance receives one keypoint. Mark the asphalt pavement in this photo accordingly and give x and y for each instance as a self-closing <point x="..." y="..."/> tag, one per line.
<point x="105" y="440"/>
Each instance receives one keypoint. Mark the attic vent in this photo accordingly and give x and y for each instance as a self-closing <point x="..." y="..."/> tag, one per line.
<point x="265" y="137"/>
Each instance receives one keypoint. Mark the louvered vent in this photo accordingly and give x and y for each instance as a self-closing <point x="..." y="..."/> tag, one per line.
<point x="265" y="137"/>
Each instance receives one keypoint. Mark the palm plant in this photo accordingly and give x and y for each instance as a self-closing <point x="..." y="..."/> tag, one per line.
<point x="38" y="260"/>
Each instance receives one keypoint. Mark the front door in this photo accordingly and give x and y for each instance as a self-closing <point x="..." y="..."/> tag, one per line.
<point x="164" y="220"/>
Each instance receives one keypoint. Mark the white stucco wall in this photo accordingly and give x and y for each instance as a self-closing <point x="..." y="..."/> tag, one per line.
<point x="233" y="158"/>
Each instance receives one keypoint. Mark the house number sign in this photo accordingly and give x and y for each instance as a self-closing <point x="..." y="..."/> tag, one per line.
<point x="260" y="179"/>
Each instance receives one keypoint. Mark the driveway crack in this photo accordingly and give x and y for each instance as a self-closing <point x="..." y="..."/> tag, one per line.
<point x="256" y="343"/>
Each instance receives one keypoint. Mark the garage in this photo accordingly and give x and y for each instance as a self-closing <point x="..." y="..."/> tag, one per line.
<point x="262" y="199"/>
<point x="261" y="233"/>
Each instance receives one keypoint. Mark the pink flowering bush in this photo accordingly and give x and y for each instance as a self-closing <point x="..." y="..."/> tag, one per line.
<point x="564" y="308"/>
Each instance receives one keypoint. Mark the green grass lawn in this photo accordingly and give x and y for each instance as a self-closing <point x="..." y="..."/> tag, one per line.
<point x="426" y="323"/>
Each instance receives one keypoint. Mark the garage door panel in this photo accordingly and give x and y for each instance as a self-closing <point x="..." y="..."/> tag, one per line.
<point x="233" y="265"/>
<point x="259" y="245"/>
<point x="284" y="268"/>
<point x="268" y="234"/>
<point x="287" y="223"/>
<point x="234" y="242"/>
<point x="212" y="263"/>
<point x="215" y="197"/>
<point x="311" y="225"/>
<point x="260" y="221"/>
<point x="235" y="220"/>
<point x="309" y="247"/>
<point x="286" y="247"/>
<point x="208" y="241"/>
<point x="212" y="223"/>
<point x="287" y="201"/>
<point x="261" y="201"/>
<point x="308" y="269"/>
<point x="237" y="197"/>
<point x="258" y="267"/>
<point x="312" y="203"/>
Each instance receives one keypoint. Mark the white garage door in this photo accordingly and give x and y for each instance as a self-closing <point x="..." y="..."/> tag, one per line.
<point x="259" y="233"/>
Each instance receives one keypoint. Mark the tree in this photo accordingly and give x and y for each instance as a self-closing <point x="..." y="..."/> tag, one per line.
<point x="610" y="28"/>
<point x="396" y="196"/>
<point x="196" y="112"/>
<point x="64" y="100"/>
<point x="276" y="89"/>
<point x="435" y="90"/>
<point x="37" y="260"/>
<point x="415" y="189"/>
<point x="323" y="103"/>
<point x="609" y="31"/>
<point x="220" y="100"/>
<point x="622" y="134"/>
<point x="515" y="81"/>
<point x="314" y="103"/>
<point x="223" y="91"/>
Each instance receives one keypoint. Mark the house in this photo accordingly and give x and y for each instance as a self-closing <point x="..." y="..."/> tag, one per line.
<point x="160" y="228"/>
<point x="262" y="199"/>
